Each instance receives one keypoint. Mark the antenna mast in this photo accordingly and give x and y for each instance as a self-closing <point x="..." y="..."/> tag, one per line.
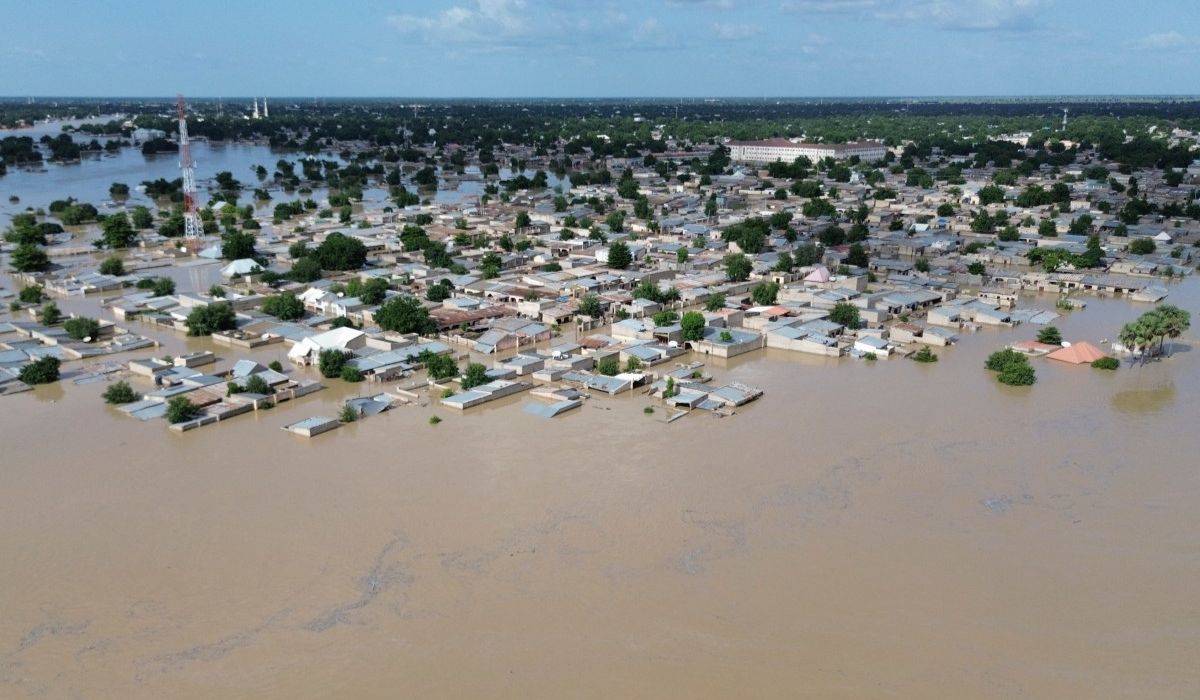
<point x="191" y="220"/>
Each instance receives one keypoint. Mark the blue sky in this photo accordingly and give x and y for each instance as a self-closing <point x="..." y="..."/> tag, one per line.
<point x="581" y="48"/>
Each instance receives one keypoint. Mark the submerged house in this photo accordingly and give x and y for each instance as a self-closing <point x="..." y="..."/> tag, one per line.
<point x="307" y="350"/>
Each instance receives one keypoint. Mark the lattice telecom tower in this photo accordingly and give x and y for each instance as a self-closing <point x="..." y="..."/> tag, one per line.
<point x="192" y="230"/>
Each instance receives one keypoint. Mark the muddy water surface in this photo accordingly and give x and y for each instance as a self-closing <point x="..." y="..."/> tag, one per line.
<point x="881" y="529"/>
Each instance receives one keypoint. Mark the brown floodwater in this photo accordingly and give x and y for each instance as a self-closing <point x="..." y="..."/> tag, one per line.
<point x="866" y="530"/>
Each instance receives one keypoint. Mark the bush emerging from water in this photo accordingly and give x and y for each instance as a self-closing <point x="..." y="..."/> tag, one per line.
<point x="1050" y="336"/>
<point x="1106" y="363"/>
<point x="43" y="371"/>
<point x="82" y="327"/>
<point x="609" y="366"/>
<point x="330" y="362"/>
<point x="119" y="393"/>
<point x="257" y="385"/>
<point x="180" y="409"/>
<point x="33" y="294"/>
<point x="1013" y="367"/>
<point x="925" y="355"/>
<point x="50" y="314"/>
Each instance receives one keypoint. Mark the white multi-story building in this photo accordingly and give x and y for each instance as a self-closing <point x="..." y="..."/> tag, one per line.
<point x="787" y="151"/>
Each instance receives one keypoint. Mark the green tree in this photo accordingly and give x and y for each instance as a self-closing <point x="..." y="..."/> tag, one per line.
<point x="330" y="362"/>
<point x="590" y="306"/>
<point x="141" y="218"/>
<point x="341" y="252"/>
<point x="1018" y="375"/>
<point x="306" y="269"/>
<point x="50" y="314"/>
<point x="351" y="374"/>
<point x="1050" y="336"/>
<point x="236" y="245"/>
<point x="1008" y="360"/>
<point x="82" y="327"/>
<point x="441" y="291"/>
<point x="299" y="249"/>
<point x="180" y="409"/>
<point x="641" y="208"/>
<point x="665" y="318"/>
<point x="119" y="393"/>
<point x="112" y="266"/>
<point x="857" y="255"/>
<point x="257" y="385"/>
<point x="765" y="294"/>
<point x="738" y="267"/>
<point x="41" y="371"/>
<point x="991" y="194"/>
<point x="211" y="318"/>
<point x="925" y="355"/>
<point x="609" y="366"/>
<point x="285" y="306"/>
<point x="404" y="314"/>
<point x="619" y="257"/>
<point x="716" y="302"/>
<point x="681" y="256"/>
<point x="163" y="286"/>
<point x="28" y="257"/>
<point x="117" y="231"/>
<point x="371" y="292"/>
<point x="693" y="326"/>
<point x="845" y="314"/>
<point x="438" y="366"/>
<point x="476" y="375"/>
<point x="33" y="294"/>
<point x="1142" y="246"/>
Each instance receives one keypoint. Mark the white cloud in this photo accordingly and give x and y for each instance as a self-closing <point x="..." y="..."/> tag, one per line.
<point x="486" y="20"/>
<point x="1163" y="41"/>
<point x="487" y="26"/>
<point x="735" y="32"/>
<point x="978" y="15"/>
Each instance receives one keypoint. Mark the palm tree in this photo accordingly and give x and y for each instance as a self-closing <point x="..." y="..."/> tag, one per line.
<point x="1174" y="320"/>
<point x="1130" y="336"/>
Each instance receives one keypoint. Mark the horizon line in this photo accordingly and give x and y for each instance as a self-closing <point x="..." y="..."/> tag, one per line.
<point x="740" y="98"/>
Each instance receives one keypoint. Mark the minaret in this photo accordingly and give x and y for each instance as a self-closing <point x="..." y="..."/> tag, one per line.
<point x="1064" y="128"/>
<point x="256" y="108"/>
<point x="266" y="112"/>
